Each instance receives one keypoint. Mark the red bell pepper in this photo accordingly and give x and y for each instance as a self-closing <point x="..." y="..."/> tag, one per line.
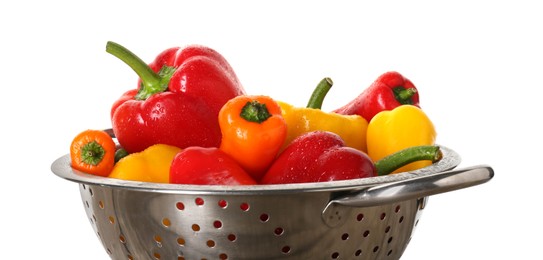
<point x="207" y="166"/>
<point x="319" y="156"/>
<point x="177" y="101"/>
<point x="387" y="92"/>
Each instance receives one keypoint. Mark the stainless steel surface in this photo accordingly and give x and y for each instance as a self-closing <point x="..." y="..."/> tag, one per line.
<point x="136" y="220"/>
<point x="408" y="189"/>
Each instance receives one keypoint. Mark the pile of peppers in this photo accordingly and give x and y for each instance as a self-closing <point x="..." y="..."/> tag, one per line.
<point x="190" y="121"/>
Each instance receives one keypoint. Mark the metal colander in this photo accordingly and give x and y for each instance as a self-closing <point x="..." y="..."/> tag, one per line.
<point x="371" y="218"/>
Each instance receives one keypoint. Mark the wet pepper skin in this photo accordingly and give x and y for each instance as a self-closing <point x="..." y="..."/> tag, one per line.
<point x="319" y="156"/>
<point x="300" y="120"/>
<point x="390" y="90"/>
<point x="403" y="127"/>
<point x="253" y="131"/>
<point x="177" y="101"/>
<point x="149" y="165"/>
<point x="207" y="166"/>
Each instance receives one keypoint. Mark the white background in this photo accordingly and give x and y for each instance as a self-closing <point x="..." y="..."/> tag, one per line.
<point x="477" y="65"/>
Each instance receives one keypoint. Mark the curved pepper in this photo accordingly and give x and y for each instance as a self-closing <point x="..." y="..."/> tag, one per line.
<point x="93" y="151"/>
<point x="403" y="127"/>
<point x="387" y="92"/>
<point x="351" y="128"/>
<point x="150" y="165"/>
<point x="253" y="131"/>
<point x="178" y="98"/>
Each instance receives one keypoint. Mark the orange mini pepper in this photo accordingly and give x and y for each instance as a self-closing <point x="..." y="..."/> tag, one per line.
<point x="93" y="151"/>
<point x="253" y="130"/>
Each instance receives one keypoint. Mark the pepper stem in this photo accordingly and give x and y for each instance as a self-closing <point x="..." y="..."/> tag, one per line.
<point x="92" y="153"/>
<point x="151" y="82"/>
<point x="408" y="155"/>
<point x="255" y="111"/>
<point x="317" y="97"/>
<point x="120" y="153"/>
<point x="404" y="95"/>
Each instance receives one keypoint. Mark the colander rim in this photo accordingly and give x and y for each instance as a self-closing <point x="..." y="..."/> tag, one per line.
<point x="61" y="167"/>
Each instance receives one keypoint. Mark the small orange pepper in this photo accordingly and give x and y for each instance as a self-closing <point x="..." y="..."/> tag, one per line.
<point x="253" y="131"/>
<point x="93" y="151"/>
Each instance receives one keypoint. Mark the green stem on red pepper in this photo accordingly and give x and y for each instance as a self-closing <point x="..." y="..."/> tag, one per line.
<point x="408" y="155"/>
<point x="317" y="97"/>
<point x="151" y="82"/>
<point x="120" y="153"/>
<point x="403" y="95"/>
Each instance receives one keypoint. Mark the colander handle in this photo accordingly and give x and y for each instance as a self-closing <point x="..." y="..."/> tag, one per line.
<point x="412" y="188"/>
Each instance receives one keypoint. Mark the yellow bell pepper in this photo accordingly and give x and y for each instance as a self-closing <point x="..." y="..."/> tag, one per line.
<point x="403" y="127"/>
<point x="149" y="165"/>
<point x="300" y="120"/>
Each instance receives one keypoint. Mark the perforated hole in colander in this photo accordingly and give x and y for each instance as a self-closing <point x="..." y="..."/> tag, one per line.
<point x="217" y="224"/>
<point x="359" y="217"/>
<point x="195" y="227"/>
<point x="158" y="240"/>
<point x="222" y="203"/>
<point x="210" y="243"/>
<point x="180" y="206"/>
<point x="285" y="249"/>
<point x="264" y="217"/>
<point x="244" y="206"/>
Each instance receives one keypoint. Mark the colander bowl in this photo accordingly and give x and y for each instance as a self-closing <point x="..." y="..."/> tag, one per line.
<point x="371" y="218"/>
